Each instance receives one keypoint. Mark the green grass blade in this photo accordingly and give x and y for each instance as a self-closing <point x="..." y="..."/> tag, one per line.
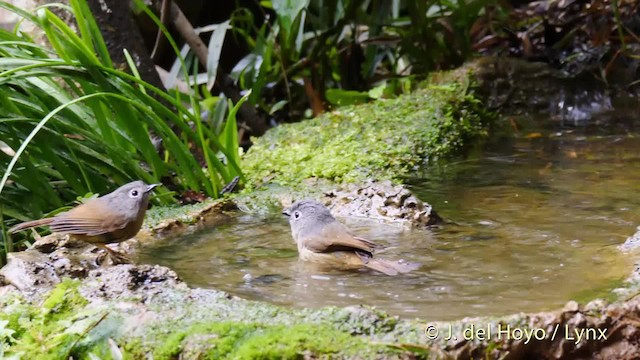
<point x="90" y="31"/>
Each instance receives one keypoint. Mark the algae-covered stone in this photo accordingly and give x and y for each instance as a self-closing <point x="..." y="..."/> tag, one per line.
<point x="153" y="315"/>
<point x="150" y="315"/>
<point x="380" y="140"/>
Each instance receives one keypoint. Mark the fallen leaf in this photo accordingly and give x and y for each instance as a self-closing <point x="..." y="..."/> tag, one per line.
<point x="533" y="135"/>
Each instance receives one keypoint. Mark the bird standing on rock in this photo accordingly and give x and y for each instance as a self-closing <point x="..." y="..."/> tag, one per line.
<point x="112" y="218"/>
<point x="323" y="240"/>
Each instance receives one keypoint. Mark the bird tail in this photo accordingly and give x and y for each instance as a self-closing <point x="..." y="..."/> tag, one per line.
<point x="30" y="224"/>
<point x="391" y="268"/>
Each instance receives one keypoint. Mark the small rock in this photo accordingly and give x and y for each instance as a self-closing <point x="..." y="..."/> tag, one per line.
<point x="129" y="280"/>
<point x="48" y="244"/>
<point x="571" y="306"/>
<point x="30" y="271"/>
<point x="595" y="305"/>
<point x="381" y="200"/>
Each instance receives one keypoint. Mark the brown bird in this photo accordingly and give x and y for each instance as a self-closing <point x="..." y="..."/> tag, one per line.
<point x="112" y="218"/>
<point x="323" y="240"/>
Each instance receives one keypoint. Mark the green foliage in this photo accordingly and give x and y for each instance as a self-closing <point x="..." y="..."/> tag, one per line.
<point x="71" y="123"/>
<point x="338" y="50"/>
<point x="381" y="140"/>
<point x="438" y="34"/>
<point x="385" y="89"/>
<point x="346" y="97"/>
<point x="6" y="337"/>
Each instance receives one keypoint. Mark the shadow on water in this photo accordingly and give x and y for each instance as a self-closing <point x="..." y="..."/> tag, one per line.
<point x="532" y="226"/>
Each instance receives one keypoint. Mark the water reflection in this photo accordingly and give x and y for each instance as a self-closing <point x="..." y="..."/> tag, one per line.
<point x="532" y="227"/>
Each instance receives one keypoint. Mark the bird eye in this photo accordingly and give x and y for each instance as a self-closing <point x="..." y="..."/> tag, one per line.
<point x="134" y="193"/>
<point x="296" y="214"/>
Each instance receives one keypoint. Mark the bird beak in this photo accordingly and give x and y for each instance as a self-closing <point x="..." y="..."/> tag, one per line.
<point x="286" y="212"/>
<point x="151" y="187"/>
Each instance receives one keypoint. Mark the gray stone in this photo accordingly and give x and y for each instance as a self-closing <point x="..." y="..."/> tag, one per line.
<point x="31" y="272"/>
<point x="383" y="201"/>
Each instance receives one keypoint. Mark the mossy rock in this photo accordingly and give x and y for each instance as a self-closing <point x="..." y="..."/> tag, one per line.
<point x="382" y="140"/>
<point x="179" y="322"/>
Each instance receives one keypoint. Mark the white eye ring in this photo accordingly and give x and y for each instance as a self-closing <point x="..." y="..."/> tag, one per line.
<point x="296" y="214"/>
<point x="134" y="193"/>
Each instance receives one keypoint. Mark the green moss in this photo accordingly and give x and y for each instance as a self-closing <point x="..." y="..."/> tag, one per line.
<point x="603" y="291"/>
<point x="382" y="140"/>
<point x="186" y="214"/>
<point x="47" y="331"/>
<point x="63" y="300"/>
<point x="158" y="214"/>
<point x="259" y="341"/>
<point x="133" y="349"/>
<point x="210" y="326"/>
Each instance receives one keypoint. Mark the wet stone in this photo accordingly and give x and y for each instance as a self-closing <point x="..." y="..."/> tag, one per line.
<point x="47" y="244"/>
<point x="130" y="281"/>
<point x="632" y="242"/>
<point x="571" y="306"/>
<point x="37" y="270"/>
<point x="595" y="305"/>
<point x="381" y="200"/>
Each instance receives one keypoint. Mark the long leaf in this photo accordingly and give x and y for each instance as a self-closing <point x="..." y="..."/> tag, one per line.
<point x="35" y="131"/>
<point x="90" y="31"/>
<point x="215" y="49"/>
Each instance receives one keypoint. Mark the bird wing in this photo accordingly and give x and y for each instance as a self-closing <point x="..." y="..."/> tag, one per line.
<point x="91" y="218"/>
<point x="335" y="237"/>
